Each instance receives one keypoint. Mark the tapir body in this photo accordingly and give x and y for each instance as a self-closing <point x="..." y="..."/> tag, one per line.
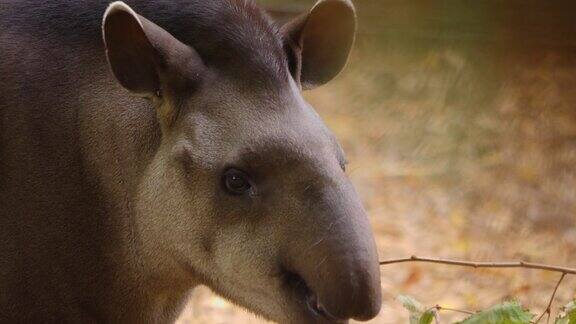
<point x="165" y="146"/>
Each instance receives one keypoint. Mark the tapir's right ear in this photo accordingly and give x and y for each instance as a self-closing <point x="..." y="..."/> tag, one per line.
<point x="145" y="58"/>
<point x="319" y="42"/>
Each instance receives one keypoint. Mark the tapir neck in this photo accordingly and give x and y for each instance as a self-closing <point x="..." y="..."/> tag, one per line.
<point x="129" y="138"/>
<point x="71" y="161"/>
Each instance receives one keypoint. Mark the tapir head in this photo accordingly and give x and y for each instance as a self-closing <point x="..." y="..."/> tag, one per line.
<point x="247" y="191"/>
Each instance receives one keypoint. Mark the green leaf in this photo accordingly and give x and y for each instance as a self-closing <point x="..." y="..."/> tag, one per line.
<point x="568" y="314"/>
<point x="418" y="313"/>
<point x="506" y="313"/>
<point x="427" y="317"/>
<point x="413" y="306"/>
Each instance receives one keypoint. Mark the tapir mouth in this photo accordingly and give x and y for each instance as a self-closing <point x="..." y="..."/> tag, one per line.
<point x="309" y="299"/>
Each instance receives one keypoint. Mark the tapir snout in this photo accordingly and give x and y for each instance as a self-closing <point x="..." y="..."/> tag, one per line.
<point x="338" y="259"/>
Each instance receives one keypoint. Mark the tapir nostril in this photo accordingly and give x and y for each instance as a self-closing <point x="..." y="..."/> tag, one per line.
<point x="336" y="310"/>
<point x="296" y="282"/>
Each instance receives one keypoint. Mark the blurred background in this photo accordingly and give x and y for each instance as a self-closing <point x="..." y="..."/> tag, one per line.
<point x="459" y="121"/>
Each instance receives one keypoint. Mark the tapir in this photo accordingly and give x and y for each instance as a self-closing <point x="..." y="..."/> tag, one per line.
<point x="152" y="146"/>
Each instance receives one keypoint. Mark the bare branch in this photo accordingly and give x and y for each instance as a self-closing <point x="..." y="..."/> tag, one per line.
<point x="547" y="311"/>
<point x="515" y="264"/>
<point x="441" y="308"/>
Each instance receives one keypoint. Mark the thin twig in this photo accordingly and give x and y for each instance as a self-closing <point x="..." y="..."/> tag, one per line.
<point x="516" y="264"/>
<point x="442" y="308"/>
<point x="547" y="311"/>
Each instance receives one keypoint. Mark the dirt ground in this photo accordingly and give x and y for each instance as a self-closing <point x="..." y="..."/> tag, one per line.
<point x="459" y="151"/>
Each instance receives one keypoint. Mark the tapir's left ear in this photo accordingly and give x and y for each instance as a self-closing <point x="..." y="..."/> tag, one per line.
<point x="318" y="43"/>
<point x="145" y="58"/>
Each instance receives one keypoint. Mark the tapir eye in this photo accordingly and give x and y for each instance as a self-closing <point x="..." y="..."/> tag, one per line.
<point x="236" y="182"/>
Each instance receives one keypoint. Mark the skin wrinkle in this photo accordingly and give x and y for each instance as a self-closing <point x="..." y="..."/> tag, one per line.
<point x="322" y="262"/>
